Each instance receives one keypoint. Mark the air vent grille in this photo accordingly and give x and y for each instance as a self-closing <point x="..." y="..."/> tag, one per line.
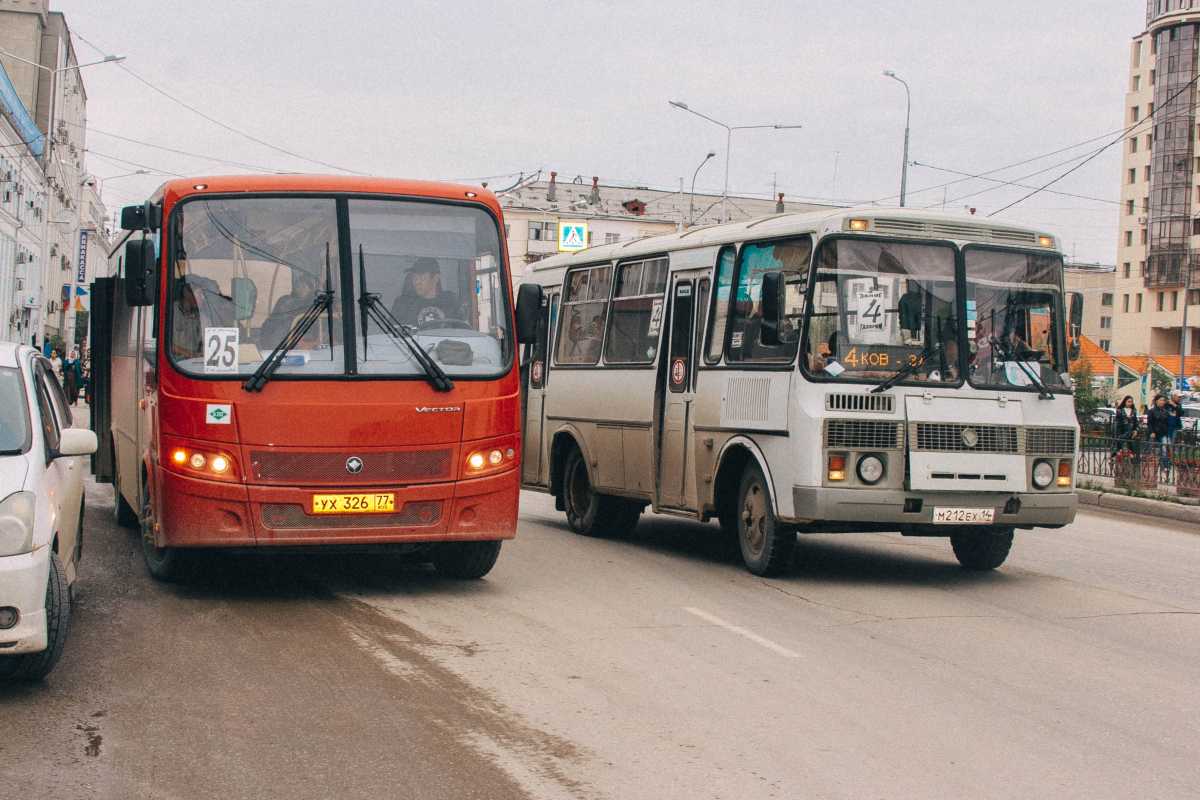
<point x="953" y="230"/>
<point x="882" y="403"/>
<point x="952" y="437"/>
<point x="862" y="434"/>
<point x="1050" y="441"/>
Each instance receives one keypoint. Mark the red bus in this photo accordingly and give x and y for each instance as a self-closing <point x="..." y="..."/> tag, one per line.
<point x="301" y="361"/>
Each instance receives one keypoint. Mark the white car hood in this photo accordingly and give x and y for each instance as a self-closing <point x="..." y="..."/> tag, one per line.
<point x="13" y="470"/>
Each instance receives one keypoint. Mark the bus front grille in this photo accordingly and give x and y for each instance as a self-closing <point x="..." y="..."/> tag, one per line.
<point x="340" y="468"/>
<point x="289" y="517"/>
<point x="861" y="434"/>
<point x="884" y="403"/>
<point x="960" y="437"/>
<point x="1050" y="441"/>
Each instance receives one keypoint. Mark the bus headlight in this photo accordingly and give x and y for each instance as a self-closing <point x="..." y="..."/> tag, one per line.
<point x="1043" y="474"/>
<point x="16" y="524"/>
<point x="870" y="469"/>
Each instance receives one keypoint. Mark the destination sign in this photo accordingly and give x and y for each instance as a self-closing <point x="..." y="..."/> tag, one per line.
<point x="879" y="357"/>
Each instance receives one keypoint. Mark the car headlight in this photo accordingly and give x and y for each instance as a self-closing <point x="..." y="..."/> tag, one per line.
<point x="16" y="524"/>
<point x="1043" y="474"/>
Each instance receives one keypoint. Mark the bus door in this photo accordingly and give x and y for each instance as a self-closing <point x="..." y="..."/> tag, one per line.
<point x="535" y="414"/>
<point x="677" y="485"/>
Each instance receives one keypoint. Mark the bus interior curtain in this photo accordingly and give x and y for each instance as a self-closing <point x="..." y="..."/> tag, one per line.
<point x="104" y="292"/>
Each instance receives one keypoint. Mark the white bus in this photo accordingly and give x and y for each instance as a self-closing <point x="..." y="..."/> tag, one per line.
<point x="869" y="370"/>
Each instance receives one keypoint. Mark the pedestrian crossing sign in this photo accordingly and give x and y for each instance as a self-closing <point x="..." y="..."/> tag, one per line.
<point x="572" y="236"/>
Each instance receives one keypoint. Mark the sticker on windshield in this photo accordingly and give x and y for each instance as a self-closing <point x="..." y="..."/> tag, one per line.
<point x="834" y="368"/>
<point x="656" y="309"/>
<point x="218" y="414"/>
<point x="870" y="315"/>
<point x="220" y="351"/>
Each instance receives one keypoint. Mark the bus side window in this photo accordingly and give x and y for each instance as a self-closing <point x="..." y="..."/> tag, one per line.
<point x="701" y="313"/>
<point x="745" y="320"/>
<point x="637" y="315"/>
<point x="720" y="315"/>
<point x="584" y="312"/>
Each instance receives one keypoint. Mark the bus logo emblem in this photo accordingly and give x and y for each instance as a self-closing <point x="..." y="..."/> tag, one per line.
<point x="969" y="437"/>
<point x="354" y="465"/>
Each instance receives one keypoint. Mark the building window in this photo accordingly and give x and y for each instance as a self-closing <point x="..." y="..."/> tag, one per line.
<point x="1136" y="85"/>
<point x="1147" y="172"/>
<point x="612" y="238"/>
<point x="1126" y="265"/>
<point x="1104" y="344"/>
<point x="1150" y="109"/>
<point x="1160" y="300"/>
<point x="1133" y="144"/>
<point x="1106" y="322"/>
<point x="1129" y="238"/>
<point x="1133" y="174"/>
<point x="1141" y="269"/>
<point x="1194" y="297"/>
<point x="1129" y="208"/>
<point x="544" y="231"/>
<point x="1106" y="298"/>
<point x="1139" y="303"/>
<point x="1126" y="308"/>
<point x="1174" y="301"/>
<point x="1137" y="55"/>
<point x="1143" y="233"/>
<point x="1133" y="114"/>
<point x="1145" y="205"/>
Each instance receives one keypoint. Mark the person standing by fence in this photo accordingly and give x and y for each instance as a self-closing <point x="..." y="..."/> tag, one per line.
<point x="1158" y="421"/>
<point x="1125" y="426"/>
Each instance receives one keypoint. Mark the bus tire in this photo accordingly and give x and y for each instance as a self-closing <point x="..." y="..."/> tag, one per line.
<point x="983" y="547"/>
<point x="767" y="545"/>
<point x="590" y="513"/>
<point x="465" y="560"/>
<point x="35" y="666"/>
<point x="124" y="514"/>
<point x="166" y="564"/>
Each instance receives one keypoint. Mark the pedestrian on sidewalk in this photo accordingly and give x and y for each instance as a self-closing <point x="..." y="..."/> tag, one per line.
<point x="1158" y="421"/>
<point x="1125" y="426"/>
<point x="87" y="377"/>
<point x="72" y="373"/>
<point x="56" y="364"/>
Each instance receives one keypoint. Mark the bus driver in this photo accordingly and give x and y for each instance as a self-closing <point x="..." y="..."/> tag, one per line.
<point x="422" y="301"/>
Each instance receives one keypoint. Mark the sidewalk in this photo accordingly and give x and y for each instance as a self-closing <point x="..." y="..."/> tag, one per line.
<point x="1142" y="506"/>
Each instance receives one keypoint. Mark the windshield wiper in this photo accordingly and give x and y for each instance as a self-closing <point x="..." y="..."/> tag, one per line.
<point x="372" y="309"/>
<point x="909" y="370"/>
<point x="322" y="302"/>
<point x="1044" y="392"/>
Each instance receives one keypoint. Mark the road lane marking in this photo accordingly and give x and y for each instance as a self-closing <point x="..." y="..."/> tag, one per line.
<point x="754" y="637"/>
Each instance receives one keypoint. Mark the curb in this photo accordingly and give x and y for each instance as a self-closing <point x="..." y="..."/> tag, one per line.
<point x="1139" y="505"/>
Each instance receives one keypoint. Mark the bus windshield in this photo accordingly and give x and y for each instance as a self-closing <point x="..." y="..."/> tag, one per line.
<point x="1014" y="300"/>
<point x="244" y="272"/>
<point x="879" y="307"/>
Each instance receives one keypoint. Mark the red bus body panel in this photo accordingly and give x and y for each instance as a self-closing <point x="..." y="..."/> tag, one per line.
<point x="292" y="439"/>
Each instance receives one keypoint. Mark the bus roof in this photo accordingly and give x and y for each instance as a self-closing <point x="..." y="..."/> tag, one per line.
<point x="904" y="222"/>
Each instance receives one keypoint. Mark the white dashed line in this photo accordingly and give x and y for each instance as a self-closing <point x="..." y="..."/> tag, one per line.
<point x="754" y="637"/>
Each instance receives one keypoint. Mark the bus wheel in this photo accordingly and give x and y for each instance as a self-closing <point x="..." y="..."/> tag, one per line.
<point x="35" y="666"/>
<point x="468" y="560"/>
<point x="590" y="513"/>
<point x="165" y="564"/>
<point x="767" y="546"/>
<point x="982" y="548"/>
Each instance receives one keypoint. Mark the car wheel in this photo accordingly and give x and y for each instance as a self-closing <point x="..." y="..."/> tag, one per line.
<point x="467" y="560"/>
<point x="166" y="564"/>
<point x="982" y="548"/>
<point x="590" y="513"/>
<point x="767" y="546"/>
<point x="35" y="666"/>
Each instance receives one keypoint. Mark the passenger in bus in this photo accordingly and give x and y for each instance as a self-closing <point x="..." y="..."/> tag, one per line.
<point x="909" y="309"/>
<point x="280" y="320"/>
<point x="186" y="337"/>
<point x="423" y="303"/>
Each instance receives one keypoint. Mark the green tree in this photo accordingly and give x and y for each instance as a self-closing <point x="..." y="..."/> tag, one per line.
<point x="1160" y="380"/>
<point x="1086" y="401"/>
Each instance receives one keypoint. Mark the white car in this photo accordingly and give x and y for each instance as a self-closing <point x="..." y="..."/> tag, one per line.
<point x="41" y="512"/>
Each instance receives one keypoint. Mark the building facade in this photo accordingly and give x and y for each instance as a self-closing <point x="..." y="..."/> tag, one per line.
<point x="534" y="209"/>
<point x="1097" y="284"/>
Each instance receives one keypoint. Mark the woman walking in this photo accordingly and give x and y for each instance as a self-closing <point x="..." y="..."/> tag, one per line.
<point x="72" y="375"/>
<point x="1125" y="426"/>
<point x="1158" y="420"/>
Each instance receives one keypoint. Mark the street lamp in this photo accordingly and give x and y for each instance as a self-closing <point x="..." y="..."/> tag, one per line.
<point x="728" y="136"/>
<point x="100" y="181"/>
<point x="48" y="154"/>
<point x="907" y="115"/>
<point x="692" y="196"/>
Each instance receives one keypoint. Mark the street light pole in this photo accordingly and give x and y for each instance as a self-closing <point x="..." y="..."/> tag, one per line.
<point x="728" y="140"/>
<point x="692" y="196"/>
<point x="39" y="330"/>
<point x="907" y="117"/>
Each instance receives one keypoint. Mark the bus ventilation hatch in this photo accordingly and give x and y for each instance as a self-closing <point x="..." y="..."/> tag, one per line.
<point x="883" y="403"/>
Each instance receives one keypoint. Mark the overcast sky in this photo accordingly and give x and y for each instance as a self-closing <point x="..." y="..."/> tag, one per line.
<point x="476" y="91"/>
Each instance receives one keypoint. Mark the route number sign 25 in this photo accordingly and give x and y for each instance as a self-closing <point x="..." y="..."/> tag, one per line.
<point x="220" y="350"/>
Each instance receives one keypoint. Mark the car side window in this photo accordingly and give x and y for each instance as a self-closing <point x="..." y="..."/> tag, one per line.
<point x="46" y="417"/>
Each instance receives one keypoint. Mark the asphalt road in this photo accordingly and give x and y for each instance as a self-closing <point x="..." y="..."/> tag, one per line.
<point x="649" y="668"/>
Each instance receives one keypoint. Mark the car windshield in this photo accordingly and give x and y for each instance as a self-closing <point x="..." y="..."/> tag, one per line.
<point x="1013" y="317"/>
<point x="14" y="413"/>
<point x="879" y="307"/>
<point x="248" y="272"/>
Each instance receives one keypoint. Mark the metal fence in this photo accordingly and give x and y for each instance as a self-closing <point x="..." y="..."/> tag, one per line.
<point x="1139" y="461"/>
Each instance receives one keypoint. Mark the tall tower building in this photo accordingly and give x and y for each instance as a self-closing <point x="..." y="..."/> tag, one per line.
<point x="1158" y="249"/>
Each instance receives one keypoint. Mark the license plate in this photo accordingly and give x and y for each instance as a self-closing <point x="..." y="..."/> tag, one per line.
<point x="963" y="516"/>
<point x="353" y="503"/>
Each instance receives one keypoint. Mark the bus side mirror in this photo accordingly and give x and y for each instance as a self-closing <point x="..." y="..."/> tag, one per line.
<point x="529" y="304"/>
<point x="772" y="308"/>
<point x="1076" y="326"/>
<point x="245" y="298"/>
<point x="139" y="218"/>
<point x="139" y="273"/>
